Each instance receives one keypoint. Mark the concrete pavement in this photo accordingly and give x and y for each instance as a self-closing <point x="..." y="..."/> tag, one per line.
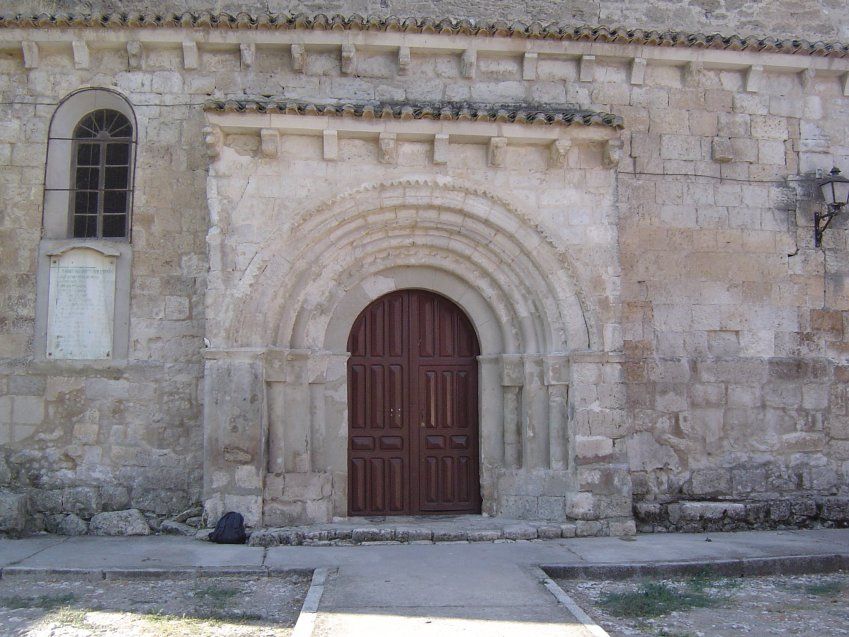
<point x="432" y="589"/>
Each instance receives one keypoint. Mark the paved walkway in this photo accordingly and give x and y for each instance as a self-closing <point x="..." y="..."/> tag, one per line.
<point x="425" y="589"/>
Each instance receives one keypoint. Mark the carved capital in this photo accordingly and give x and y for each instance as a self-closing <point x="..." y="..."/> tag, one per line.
<point x="556" y="370"/>
<point x="512" y="370"/>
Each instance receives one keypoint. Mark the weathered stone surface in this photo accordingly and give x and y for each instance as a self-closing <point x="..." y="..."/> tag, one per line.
<point x="127" y="522"/>
<point x="70" y="524"/>
<point x="14" y="510"/>
<point x="703" y="353"/>
<point x="177" y="528"/>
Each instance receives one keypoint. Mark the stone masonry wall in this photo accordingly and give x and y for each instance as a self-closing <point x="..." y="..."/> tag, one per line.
<point x="734" y="327"/>
<point x="734" y="323"/>
<point x="87" y="437"/>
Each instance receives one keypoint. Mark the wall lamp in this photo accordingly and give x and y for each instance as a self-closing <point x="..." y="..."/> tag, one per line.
<point x="835" y="193"/>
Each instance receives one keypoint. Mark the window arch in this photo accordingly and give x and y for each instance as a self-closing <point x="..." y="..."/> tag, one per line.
<point x="88" y="186"/>
<point x="100" y="187"/>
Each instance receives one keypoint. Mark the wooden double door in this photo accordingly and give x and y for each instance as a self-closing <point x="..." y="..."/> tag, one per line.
<point x="413" y="408"/>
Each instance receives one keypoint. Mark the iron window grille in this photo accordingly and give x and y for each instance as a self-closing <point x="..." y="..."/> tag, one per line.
<point x="101" y="191"/>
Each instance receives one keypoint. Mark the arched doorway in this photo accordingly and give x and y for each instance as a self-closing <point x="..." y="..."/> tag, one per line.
<point x="413" y="408"/>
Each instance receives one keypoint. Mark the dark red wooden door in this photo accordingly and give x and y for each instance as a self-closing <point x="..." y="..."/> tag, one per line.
<point x="413" y="408"/>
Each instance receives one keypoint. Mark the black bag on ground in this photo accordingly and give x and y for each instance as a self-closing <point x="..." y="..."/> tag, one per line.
<point x="229" y="530"/>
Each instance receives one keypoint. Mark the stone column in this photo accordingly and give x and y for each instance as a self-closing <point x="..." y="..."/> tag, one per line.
<point x="512" y="379"/>
<point x="289" y="410"/>
<point x="535" y="415"/>
<point x="556" y="375"/>
<point x="234" y="434"/>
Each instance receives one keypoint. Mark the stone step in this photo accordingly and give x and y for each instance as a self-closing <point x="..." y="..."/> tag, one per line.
<point x="348" y="534"/>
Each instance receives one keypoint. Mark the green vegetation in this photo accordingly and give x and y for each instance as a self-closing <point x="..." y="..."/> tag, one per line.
<point x="653" y="599"/>
<point x="45" y="602"/>
<point x="824" y="589"/>
<point x="216" y="593"/>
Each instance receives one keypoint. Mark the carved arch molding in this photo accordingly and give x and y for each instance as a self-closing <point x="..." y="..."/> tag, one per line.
<point x="281" y="336"/>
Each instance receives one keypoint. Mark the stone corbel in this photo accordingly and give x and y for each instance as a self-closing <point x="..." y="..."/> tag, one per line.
<point x="558" y="152"/>
<point x="191" y="57"/>
<point x="612" y="153"/>
<point x="404" y="60"/>
<point x="81" y="55"/>
<point x="248" y="54"/>
<point x="753" y="78"/>
<point x="440" y="148"/>
<point x="135" y="53"/>
<point x="269" y="142"/>
<point x="808" y="76"/>
<point x="497" y="151"/>
<point x="638" y="71"/>
<point x="388" y="146"/>
<point x="213" y="140"/>
<point x="468" y="62"/>
<point x="349" y="59"/>
<point x="30" y="53"/>
<point x="529" y="66"/>
<point x="586" y="71"/>
<point x="692" y="73"/>
<point x="331" y="145"/>
<point x="299" y="58"/>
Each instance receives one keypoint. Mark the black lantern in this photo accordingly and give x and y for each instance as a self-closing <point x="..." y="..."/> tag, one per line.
<point x="835" y="193"/>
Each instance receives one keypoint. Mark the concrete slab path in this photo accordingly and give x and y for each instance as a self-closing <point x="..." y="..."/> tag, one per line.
<point x="422" y="589"/>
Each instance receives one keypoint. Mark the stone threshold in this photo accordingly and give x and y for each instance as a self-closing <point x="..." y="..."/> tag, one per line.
<point x="413" y="529"/>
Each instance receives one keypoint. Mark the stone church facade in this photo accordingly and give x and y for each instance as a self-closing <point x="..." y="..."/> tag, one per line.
<point x="315" y="267"/>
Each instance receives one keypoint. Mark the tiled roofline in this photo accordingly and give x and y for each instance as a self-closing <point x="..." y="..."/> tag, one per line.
<point x="507" y="114"/>
<point x="447" y="26"/>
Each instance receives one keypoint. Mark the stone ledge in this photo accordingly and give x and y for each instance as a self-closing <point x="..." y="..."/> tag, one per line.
<point x="693" y="516"/>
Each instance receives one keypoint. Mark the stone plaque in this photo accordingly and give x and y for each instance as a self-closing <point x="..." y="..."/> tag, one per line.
<point x="81" y="304"/>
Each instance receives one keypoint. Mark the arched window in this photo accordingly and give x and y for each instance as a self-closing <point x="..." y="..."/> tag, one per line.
<point x="101" y="187"/>
<point x="88" y="180"/>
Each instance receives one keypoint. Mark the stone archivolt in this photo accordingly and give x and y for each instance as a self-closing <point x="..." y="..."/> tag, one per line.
<point x="412" y="222"/>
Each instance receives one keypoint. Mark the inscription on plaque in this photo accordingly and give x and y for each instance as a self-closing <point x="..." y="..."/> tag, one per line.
<point x="81" y="305"/>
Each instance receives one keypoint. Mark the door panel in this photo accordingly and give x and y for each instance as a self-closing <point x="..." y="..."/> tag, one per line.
<point x="413" y="414"/>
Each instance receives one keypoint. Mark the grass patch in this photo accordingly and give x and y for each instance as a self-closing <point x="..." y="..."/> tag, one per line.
<point x="216" y="593"/>
<point x="824" y="589"/>
<point x="72" y="617"/>
<point x="44" y="602"/>
<point x="653" y="599"/>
